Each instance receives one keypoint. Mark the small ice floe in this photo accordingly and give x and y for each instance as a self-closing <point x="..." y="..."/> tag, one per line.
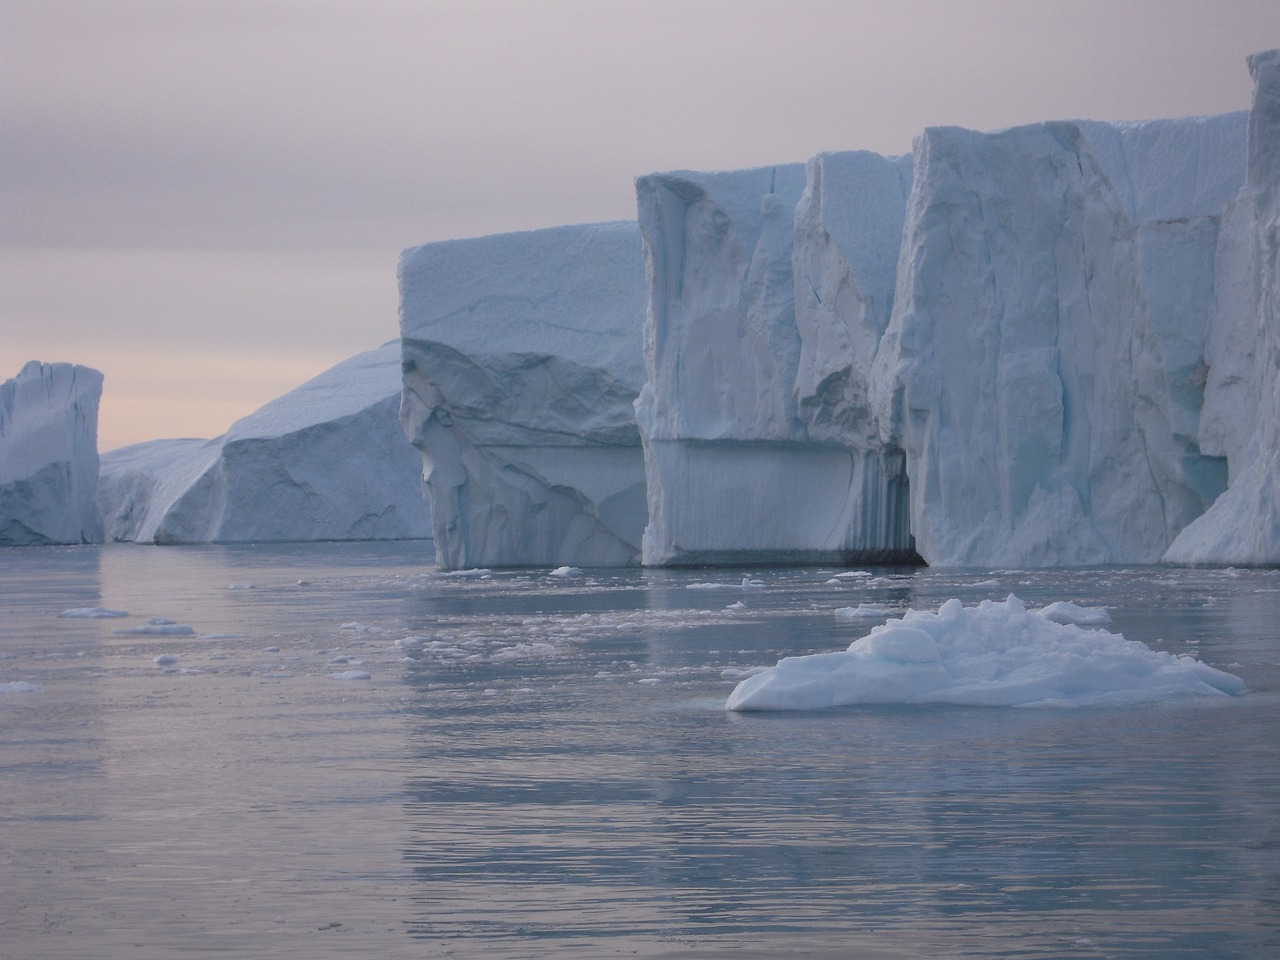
<point x="987" y="584"/>
<point x="222" y="636"/>
<point x="1065" y="612"/>
<point x="93" y="613"/>
<point x="566" y="572"/>
<point x="351" y="675"/>
<point x="165" y="660"/>
<point x="711" y="586"/>
<point x="158" y="626"/>
<point x="473" y="572"/>
<point x="863" y="611"/>
<point x="409" y="642"/>
<point x="272" y="649"/>
<point x="749" y="584"/>
<point x="736" y="605"/>
<point x="740" y="673"/>
<point x="20" y="686"/>
<point x="304" y="583"/>
<point x="853" y="575"/>
<point x="240" y="586"/>
<point x="341" y="658"/>
<point x="994" y="654"/>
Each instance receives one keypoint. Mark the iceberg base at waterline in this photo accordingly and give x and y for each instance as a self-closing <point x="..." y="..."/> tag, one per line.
<point x="997" y="653"/>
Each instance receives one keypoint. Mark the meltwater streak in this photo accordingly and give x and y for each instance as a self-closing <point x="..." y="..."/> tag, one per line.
<point x="553" y="774"/>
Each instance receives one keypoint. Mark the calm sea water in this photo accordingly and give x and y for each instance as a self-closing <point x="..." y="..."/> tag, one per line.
<point x="542" y="767"/>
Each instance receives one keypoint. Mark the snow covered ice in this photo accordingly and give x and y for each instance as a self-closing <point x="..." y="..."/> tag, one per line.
<point x="49" y="455"/>
<point x="995" y="654"/>
<point x="522" y="358"/>
<point x="326" y="461"/>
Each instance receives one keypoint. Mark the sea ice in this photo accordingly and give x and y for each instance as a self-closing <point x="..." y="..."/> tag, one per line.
<point x="522" y="358"/>
<point x="326" y="461"/>
<point x="994" y="654"/>
<point x="49" y="455"/>
<point x="158" y="626"/>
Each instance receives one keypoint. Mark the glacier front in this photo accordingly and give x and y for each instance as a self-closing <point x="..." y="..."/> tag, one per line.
<point x="326" y="461"/>
<point x="49" y="455"/>
<point x="521" y="361"/>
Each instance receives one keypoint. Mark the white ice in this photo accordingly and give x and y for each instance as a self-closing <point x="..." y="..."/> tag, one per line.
<point x="994" y="654"/>
<point x="522" y="358"/>
<point x="49" y="455"/>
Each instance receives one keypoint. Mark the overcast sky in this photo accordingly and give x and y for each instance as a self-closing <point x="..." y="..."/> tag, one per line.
<point x="206" y="199"/>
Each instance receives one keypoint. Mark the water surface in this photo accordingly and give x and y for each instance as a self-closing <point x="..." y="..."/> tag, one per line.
<point x="542" y="767"/>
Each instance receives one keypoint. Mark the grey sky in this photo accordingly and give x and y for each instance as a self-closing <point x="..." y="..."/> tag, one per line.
<point x="206" y="199"/>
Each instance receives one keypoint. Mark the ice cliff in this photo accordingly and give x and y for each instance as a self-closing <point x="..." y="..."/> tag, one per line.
<point x="1241" y="417"/>
<point x="522" y="359"/>
<point x="768" y="290"/>
<point x="49" y="455"/>
<point x="327" y="461"/>
<point x="1044" y="367"/>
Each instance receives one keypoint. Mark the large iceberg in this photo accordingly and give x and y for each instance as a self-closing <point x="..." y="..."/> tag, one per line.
<point x="49" y="455"/>
<point x="522" y="359"/>
<point x="1044" y="367"/>
<point x="326" y="461"/>
<point x="768" y="290"/>
<point x="1241" y="417"/>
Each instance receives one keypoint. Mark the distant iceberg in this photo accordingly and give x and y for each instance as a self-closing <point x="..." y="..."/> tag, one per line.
<point x="326" y="461"/>
<point x="49" y="455"/>
<point x="995" y="654"/>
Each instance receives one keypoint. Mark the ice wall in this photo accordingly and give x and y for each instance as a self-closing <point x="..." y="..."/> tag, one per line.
<point x="1241" y="418"/>
<point x="327" y="461"/>
<point x="522" y="359"/>
<point x="1045" y="364"/>
<point x="49" y="455"/>
<point x="765" y="287"/>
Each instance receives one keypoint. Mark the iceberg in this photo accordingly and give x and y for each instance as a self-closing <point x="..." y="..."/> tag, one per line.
<point x="1241" y="417"/>
<point x="768" y="290"/>
<point x="49" y="455"/>
<point x="1044" y="367"/>
<point x="995" y="654"/>
<point x="326" y="461"/>
<point x="522" y="359"/>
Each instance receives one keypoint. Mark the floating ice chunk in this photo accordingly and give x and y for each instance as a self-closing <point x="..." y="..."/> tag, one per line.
<point x="988" y="583"/>
<point x="351" y="675"/>
<point x="165" y="660"/>
<point x="854" y="575"/>
<point x="749" y="584"/>
<point x="20" y="686"/>
<point x="994" y="654"/>
<point x="411" y="641"/>
<point x="93" y="613"/>
<point x="711" y="586"/>
<point x="470" y="572"/>
<point x="863" y="611"/>
<point x="240" y="586"/>
<point x="158" y="626"/>
<point x="1065" y="612"/>
<point x="736" y="605"/>
<point x="566" y="572"/>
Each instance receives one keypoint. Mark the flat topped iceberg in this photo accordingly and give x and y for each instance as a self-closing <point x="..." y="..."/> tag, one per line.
<point x="49" y="455"/>
<point x="326" y="461"/>
<point x="995" y="654"/>
<point x="522" y="359"/>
